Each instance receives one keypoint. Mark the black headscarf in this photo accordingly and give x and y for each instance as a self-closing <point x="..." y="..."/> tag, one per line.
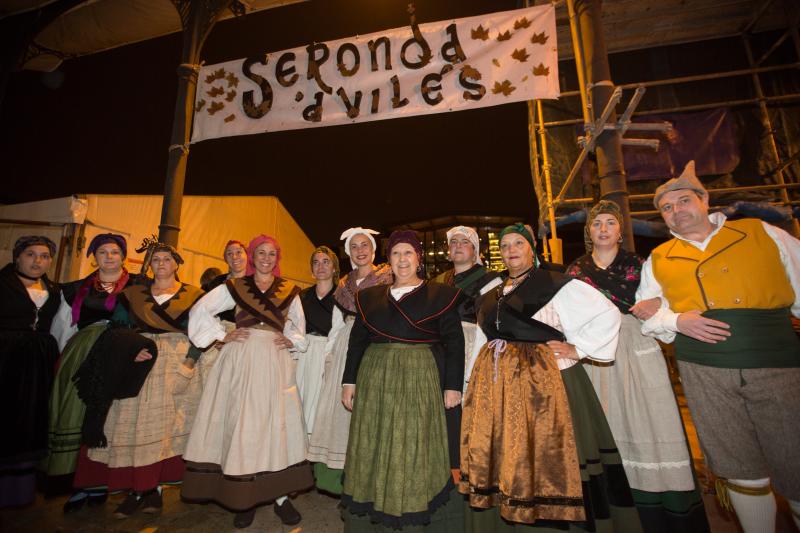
<point x="32" y="240"/>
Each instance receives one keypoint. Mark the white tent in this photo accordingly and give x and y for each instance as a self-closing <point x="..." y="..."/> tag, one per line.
<point x="207" y="223"/>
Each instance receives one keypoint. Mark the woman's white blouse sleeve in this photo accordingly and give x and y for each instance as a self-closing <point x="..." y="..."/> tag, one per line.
<point x="294" y="328"/>
<point x="589" y="320"/>
<point x="62" y="328"/>
<point x="204" y="326"/>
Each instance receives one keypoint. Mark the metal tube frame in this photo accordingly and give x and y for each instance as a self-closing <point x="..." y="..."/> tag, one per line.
<point x="761" y="100"/>
<point x="767" y="122"/>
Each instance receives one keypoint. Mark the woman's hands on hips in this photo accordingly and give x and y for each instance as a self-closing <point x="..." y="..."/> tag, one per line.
<point x="563" y="350"/>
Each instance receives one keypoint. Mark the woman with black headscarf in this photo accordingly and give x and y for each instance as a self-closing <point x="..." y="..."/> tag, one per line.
<point x="86" y="307"/>
<point x="28" y="303"/>
<point x="635" y="391"/>
<point x="397" y="472"/>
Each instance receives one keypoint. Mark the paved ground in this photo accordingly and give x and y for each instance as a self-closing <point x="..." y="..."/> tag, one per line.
<point x="320" y="512"/>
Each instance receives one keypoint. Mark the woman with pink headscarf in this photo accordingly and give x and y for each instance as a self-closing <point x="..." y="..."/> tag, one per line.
<point x="248" y="444"/>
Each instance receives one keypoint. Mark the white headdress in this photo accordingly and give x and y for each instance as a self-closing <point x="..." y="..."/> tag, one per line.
<point x="347" y="235"/>
<point x="471" y="235"/>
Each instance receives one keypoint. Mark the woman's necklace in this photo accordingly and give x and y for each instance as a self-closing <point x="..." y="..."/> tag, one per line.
<point x="104" y="286"/>
<point x="501" y="293"/>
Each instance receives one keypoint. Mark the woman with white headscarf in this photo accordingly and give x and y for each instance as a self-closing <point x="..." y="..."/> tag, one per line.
<point x="328" y="442"/>
<point x="470" y="275"/>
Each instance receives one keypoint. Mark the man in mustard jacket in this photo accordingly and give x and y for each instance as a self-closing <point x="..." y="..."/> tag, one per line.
<point x="728" y="290"/>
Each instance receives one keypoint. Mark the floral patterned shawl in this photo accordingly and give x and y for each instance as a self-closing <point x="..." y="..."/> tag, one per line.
<point x="618" y="282"/>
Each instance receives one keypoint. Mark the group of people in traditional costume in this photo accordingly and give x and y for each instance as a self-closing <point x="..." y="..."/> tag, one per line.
<point x="529" y="399"/>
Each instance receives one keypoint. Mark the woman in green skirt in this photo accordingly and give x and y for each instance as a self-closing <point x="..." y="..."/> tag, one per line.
<point x="536" y="449"/>
<point x="397" y="472"/>
<point x="85" y="310"/>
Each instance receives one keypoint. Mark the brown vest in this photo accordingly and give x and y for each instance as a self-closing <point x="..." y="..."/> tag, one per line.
<point x="151" y="316"/>
<point x="265" y="310"/>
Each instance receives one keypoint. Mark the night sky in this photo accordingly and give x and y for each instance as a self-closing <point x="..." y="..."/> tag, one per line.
<point x="106" y="129"/>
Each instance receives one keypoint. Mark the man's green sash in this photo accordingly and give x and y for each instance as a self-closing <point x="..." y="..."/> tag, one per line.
<point x="760" y="338"/>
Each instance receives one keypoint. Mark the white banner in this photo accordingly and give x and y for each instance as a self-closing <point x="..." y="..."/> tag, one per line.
<point x="429" y="68"/>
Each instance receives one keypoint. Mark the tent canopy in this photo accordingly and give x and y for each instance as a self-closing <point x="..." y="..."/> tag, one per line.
<point x="207" y="224"/>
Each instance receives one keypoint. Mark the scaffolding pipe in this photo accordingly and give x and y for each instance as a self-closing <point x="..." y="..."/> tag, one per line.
<point x="551" y="210"/>
<point x="716" y="208"/>
<point x="699" y="77"/>
<point x="697" y="107"/>
<point x="757" y="16"/>
<point x="649" y="196"/>
<point x="624" y="121"/>
<point x="772" y="48"/>
<point x="588" y="144"/>
<point x="574" y="31"/>
<point x="765" y="120"/>
<point x="535" y="173"/>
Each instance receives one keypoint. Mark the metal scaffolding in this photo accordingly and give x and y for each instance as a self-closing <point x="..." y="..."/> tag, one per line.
<point x="540" y="159"/>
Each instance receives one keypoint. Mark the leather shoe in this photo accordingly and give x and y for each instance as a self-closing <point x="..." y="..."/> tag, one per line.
<point x="287" y="513"/>
<point x="243" y="520"/>
<point x="129" y="505"/>
<point x="153" y="503"/>
<point x="97" y="498"/>
<point x="73" y="506"/>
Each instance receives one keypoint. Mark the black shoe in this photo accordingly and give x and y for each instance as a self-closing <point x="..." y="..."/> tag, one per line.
<point x="73" y="506"/>
<point x="243" y="520"/>
<point x="152" y="502"/>
<point x="97" y="498"/>
<point x="287" y="513"/>
<point x="128" y="506"/>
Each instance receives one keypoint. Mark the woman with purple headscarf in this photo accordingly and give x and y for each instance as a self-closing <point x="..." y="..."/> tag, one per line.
<point x="28" y="303"/>
<point x="248" y="443"/>
<point x="397" y="473"/>
<point x="86" y="307"/>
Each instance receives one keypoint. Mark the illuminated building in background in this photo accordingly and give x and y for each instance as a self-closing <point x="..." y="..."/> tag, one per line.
<point x="433" y="235"/>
